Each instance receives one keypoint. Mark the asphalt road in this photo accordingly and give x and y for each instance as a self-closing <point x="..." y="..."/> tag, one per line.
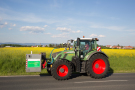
<point x="116" y="81"/>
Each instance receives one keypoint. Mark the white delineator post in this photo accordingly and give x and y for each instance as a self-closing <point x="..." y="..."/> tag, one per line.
<point x="31" y="52"/>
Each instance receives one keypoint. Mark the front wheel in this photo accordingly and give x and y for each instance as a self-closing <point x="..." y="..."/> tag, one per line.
<point x="98" y="66"/>
<point x="61" y="70"/>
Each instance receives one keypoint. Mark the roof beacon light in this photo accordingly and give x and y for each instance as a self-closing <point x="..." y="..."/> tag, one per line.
<point x="83" y="36"/>
<point x="96" y="39"/>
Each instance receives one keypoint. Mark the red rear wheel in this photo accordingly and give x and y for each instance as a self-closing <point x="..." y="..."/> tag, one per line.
<point x="98" y="66"/>
<point x="62" y="70"/>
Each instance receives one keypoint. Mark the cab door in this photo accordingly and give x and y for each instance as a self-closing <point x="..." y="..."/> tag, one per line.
<point x="84" y="47"/>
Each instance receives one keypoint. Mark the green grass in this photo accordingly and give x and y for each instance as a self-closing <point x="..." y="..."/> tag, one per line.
<point x="122" y="64"/>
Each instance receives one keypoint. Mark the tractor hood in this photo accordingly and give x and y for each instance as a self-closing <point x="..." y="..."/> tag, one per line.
<point x="68" y="54"/>
<point x="62" y="52"/>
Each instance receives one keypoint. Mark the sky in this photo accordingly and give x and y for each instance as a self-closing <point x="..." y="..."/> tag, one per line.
<point x="56" y="21"/>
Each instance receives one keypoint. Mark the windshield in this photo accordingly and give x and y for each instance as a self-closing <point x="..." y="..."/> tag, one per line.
<point x="85" y="44"/>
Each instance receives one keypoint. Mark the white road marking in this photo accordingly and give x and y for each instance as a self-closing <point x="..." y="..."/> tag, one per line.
<point x="102" y="81"/>
<point x="117" y="80"/>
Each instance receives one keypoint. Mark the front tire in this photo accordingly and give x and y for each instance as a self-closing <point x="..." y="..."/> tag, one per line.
<point x="61" y="70"/>
<point x="98" y="66"/>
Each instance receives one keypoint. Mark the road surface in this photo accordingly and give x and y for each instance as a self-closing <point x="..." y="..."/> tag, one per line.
<point x="116" y="81"/>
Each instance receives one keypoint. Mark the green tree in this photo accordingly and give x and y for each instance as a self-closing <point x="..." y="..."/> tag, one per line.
<point x="50" y="45"/>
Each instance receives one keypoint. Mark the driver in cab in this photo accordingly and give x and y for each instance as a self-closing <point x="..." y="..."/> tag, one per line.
<point x="86" y="46"/>
<point x="86" y="49"/>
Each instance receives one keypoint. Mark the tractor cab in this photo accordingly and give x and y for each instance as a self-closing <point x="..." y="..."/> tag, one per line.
<point x="85" y="45"/>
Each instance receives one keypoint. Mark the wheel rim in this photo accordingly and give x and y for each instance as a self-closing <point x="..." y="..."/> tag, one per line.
<point x="62" y="70"/>
<point x="98" y="66"/>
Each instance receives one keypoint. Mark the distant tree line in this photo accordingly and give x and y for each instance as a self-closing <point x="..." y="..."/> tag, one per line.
<point x="56" y="45"/>
<point x="50" y="45"/>
<point x="13" y="45"/>
<point x="103" y="47"/>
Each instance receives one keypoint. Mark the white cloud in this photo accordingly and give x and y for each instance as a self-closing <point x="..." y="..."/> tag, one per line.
<point x="6" y="23"/>
<point x="78" y="31"/>
<point x="63" y="29"/>
<point x="14" y="24"/>
<point x="9" y="28"/>
<point x="63" y="35"/>
<point x="101" y="36"/>
<point x="95" y="35"/>
<point x="32" y="29"/>
<point x="45" y="25"/>
<point x="47" y="33"/>
<point x="108" y="27"/>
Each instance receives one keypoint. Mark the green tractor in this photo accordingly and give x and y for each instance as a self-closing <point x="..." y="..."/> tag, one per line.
<point x="84" y="57"/>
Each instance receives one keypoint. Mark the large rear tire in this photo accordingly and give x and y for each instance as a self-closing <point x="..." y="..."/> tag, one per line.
<point x="98" y="66"/>
<point x="61" y="70"/>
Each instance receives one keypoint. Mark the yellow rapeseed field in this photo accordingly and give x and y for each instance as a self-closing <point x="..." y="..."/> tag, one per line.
<point x="120" y="52"/>
<point x="13" y="51"/>
<point x="36" y="50"/>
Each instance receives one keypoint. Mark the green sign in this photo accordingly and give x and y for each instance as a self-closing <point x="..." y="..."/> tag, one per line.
<point x="33" y="63"/>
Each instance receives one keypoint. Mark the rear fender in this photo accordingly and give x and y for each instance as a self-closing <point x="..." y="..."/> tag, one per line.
<point x="96" y="52"/>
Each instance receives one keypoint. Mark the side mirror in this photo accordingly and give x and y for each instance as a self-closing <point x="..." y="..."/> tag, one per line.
<point x="78" y="41"/>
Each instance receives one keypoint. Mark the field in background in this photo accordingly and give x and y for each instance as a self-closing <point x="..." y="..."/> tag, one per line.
<point x="121" y="60"/>
<point x="12" y="60"/>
